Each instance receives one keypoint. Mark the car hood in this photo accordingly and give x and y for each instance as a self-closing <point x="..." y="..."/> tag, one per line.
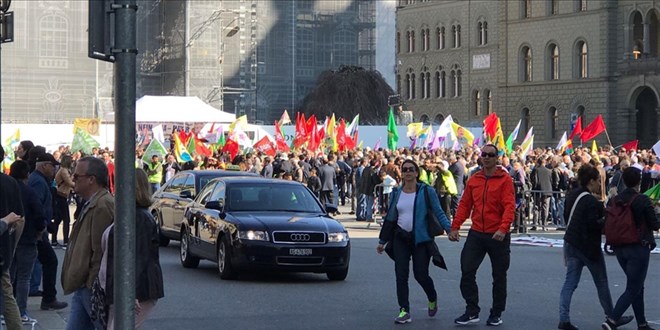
<point x="287" y="221"/>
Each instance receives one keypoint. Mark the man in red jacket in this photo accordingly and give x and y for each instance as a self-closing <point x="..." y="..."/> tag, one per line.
<point x="489" y="201"/>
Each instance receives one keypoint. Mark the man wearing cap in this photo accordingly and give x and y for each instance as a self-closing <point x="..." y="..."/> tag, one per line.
<point x="40" y="181"/>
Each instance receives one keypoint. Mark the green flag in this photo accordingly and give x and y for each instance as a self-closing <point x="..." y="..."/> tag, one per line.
<point x="191" y="145"/>
<point x="154" y="148"/>
<point x="83" y="141"/>
<point x="653" y="193"/>
<point x="392" y="133"/>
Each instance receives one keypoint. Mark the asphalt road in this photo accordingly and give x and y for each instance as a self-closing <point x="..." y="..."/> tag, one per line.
<point x="199" y="299"/>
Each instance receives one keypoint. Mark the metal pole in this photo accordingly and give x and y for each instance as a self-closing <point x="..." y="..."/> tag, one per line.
<point x="186" y="37"/>
<point x="125" y="65"/>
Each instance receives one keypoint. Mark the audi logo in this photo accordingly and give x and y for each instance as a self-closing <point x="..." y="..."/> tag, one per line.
<point x="300" y="237"/>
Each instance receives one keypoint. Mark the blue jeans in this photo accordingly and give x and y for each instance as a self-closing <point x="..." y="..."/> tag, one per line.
<point x="35" y="279"/>
<point x="369" y="211"/>
<point x="81" y="309"/>
<point x="634" y="260"/>
<point x="21" y="272"/>
<point x="575" y="260"/>
<point x="154" y="187"/>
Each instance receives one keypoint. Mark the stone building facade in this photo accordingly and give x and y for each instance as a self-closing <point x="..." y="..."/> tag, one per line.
<point x="542" y="62"/>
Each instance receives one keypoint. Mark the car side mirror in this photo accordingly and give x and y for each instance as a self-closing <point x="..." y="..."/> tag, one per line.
<point x="330" y="208"/>
<point x="186" y="194"/>
<point x="215" y="205"/>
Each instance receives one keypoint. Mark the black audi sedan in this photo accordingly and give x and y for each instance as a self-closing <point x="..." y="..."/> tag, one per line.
<point x="171" y="199"/>
<point x="263" y="224"/>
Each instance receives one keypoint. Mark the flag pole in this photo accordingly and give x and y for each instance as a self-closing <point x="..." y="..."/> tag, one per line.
<point x="608" y="138"/>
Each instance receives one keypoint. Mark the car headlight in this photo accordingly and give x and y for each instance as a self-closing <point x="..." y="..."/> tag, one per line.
<point x="253" y="235"/>
<point x="337" y="237"/>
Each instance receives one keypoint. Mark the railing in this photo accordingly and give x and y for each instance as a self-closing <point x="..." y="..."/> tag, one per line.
<point x="539" y="210"/>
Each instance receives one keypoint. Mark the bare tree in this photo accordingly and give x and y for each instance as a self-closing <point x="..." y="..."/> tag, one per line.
<point x="348" y="91"/>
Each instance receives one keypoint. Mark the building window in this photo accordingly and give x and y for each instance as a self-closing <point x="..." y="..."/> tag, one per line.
<point x="426" y="39"/>
<point x="412" y="89"/>
<point x="427" y="87"/>
<point x="553" y="7"/>
<point x="439" y="118"/>
<point x="398" y="42"/>
<point x="456" y="81"/>
<point x="525" y="120"/>
<point x="53" y="36"/>
<point x="440" y="38"/>
<point x="525" y="8"/>
<point x="553" y="124"/>
<point x="482" y="28"/>
<point x="477" y="103"/>
<point x="398" y="84"/>
<point x="582" y="57"/>
<point x="440" y="83"/>
<point x="526" y="63"/>
<point x="580" y="5"/>
<point x="580" y="113"/>
<point x="637" y="35"/>
<point x="489" y="102"/>
<point x="456" y="32"/>
<point x="553" y="61"/>
<point x="408" y="87"/>
<point x="424" y="82"/>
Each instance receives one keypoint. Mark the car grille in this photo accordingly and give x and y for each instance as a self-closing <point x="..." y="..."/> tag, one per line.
<point x="303" y="261"/>
<point x="297" y="237"/>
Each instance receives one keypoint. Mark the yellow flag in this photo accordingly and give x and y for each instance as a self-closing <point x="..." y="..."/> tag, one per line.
<point x="331" y="133"/>
<point x="89" y="125"/>
<point x="462" y="134"/>
<point x="240" y="121"/>
<point x="414" y="129"/>
<point x="594" y="149"/>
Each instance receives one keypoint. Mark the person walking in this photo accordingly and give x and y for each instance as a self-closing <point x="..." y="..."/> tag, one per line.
<point x="405" y="227"/>
<point x="148" y="273"/>
<point x="584" y="214"/>
<point x="26" y="250"/>
<point x="634" y="258"/>
<point x="328" y="176"/>
<point x="82" y="260"/>
<point x="40" y="181"/>
<point x="64" y="188"/>
<point x="489" y="201"/>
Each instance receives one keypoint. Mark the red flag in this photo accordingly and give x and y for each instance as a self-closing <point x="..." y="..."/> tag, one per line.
<point x="577" y="130"/>
<point x="265" y="145"/>
<point x="301" y="131"/>
<point x="341" y="135"/>
<point x="311" y="124"/>
<point x="490" y="125"/>
<point x="231" y="147"/>
<point x="313" y="137"/>
<point x="201" y="148"/>
<point x="596" y="127"/>
<point x="279" y="139"/>
<point x="632" y="145"/>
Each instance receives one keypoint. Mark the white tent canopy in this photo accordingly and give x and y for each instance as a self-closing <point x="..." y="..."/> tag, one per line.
<point x="178" y="109"/>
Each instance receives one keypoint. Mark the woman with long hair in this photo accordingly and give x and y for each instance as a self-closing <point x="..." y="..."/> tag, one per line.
<point x="406" y="226"/>
<point x="148" y="273"/>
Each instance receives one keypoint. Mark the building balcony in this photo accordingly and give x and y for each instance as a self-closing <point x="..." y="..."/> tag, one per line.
<point x="644" y="65"/>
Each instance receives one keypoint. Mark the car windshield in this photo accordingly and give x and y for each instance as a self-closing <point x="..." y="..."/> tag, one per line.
<point x="258" y="196"/>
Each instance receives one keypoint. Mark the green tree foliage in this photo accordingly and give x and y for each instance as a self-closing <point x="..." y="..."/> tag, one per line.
<point x="348" y="91"/>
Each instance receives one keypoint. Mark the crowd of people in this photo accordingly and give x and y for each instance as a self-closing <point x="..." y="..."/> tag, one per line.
<point x="524" y="193"/>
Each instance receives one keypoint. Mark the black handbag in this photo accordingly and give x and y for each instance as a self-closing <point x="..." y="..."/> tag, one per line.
<point x="433" y="224"/>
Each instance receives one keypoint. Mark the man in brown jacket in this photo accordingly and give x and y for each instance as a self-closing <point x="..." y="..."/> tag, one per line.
<point x="83" y="257"/>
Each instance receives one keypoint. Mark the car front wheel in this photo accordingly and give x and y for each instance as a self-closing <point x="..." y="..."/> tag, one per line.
<point x="225" y="268"/>
<point x="187" y="260"/>
<point x="337" y="275"/>
<point x="162" y="240"/>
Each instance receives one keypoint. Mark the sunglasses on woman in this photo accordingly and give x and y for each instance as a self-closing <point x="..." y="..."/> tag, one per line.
<point x="408" y="169"/>
<point x="488" y="154"/>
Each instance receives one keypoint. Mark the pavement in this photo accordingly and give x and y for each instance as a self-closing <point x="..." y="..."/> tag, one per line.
<point x="55" y="320"/>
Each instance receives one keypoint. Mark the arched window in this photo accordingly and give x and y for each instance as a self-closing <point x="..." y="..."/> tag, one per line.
<point x="526" y="63"/>
<point x="409" y="41"/>
<point x="53" y="36"/>
<point x="477" y="103"/>
<point x="422" y="84"/>
<point x="453" y="36"/>
<point x="553" y="122"/>
<point x="525" y="121"/>
<point x="440" y="83"/>
<point x="582" y="59"/>
<point x="408" y="87"/>
<point x="412" y="41"/>
<point x="654" y="33"/>
<point x="440" y="38"/>
<point x="439" y="118"/>
<point x="581" y="112"/>
<point x="637" y="35"/>
<point x="427" y="87"/>
<point x="453" y="82"/>
<point x="489" y="102"/>
<point x="458" y="36"/>
<point x="424" y="119"/>
<point x="412" y="82"/>
<point x="456" y="81"/>
<point x="426" y="39"/>
<point x="553" y="61"/>
<point x="482" y="29"/>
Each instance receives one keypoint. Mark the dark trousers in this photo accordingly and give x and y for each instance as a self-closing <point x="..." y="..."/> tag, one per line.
<point x="454" y="202"/>
<point x="48" y="260"/>
<point x="62" y="215"/>
<point x="327" y="197"/>
<point x="341" y="185"/>
<point x="477" y="245"/>
<point x="445" y="203"/>
<point x="634" y="260"/>
<point x="403" y="249"/>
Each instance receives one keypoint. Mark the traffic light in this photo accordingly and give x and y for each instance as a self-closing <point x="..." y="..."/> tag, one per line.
<point x="100" y="30"/>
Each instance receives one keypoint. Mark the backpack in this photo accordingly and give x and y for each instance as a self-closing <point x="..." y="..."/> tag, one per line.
<point x="620" y="227"/>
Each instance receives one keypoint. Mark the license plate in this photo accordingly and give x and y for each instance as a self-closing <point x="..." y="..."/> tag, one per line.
<point x="300" y="252"/>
